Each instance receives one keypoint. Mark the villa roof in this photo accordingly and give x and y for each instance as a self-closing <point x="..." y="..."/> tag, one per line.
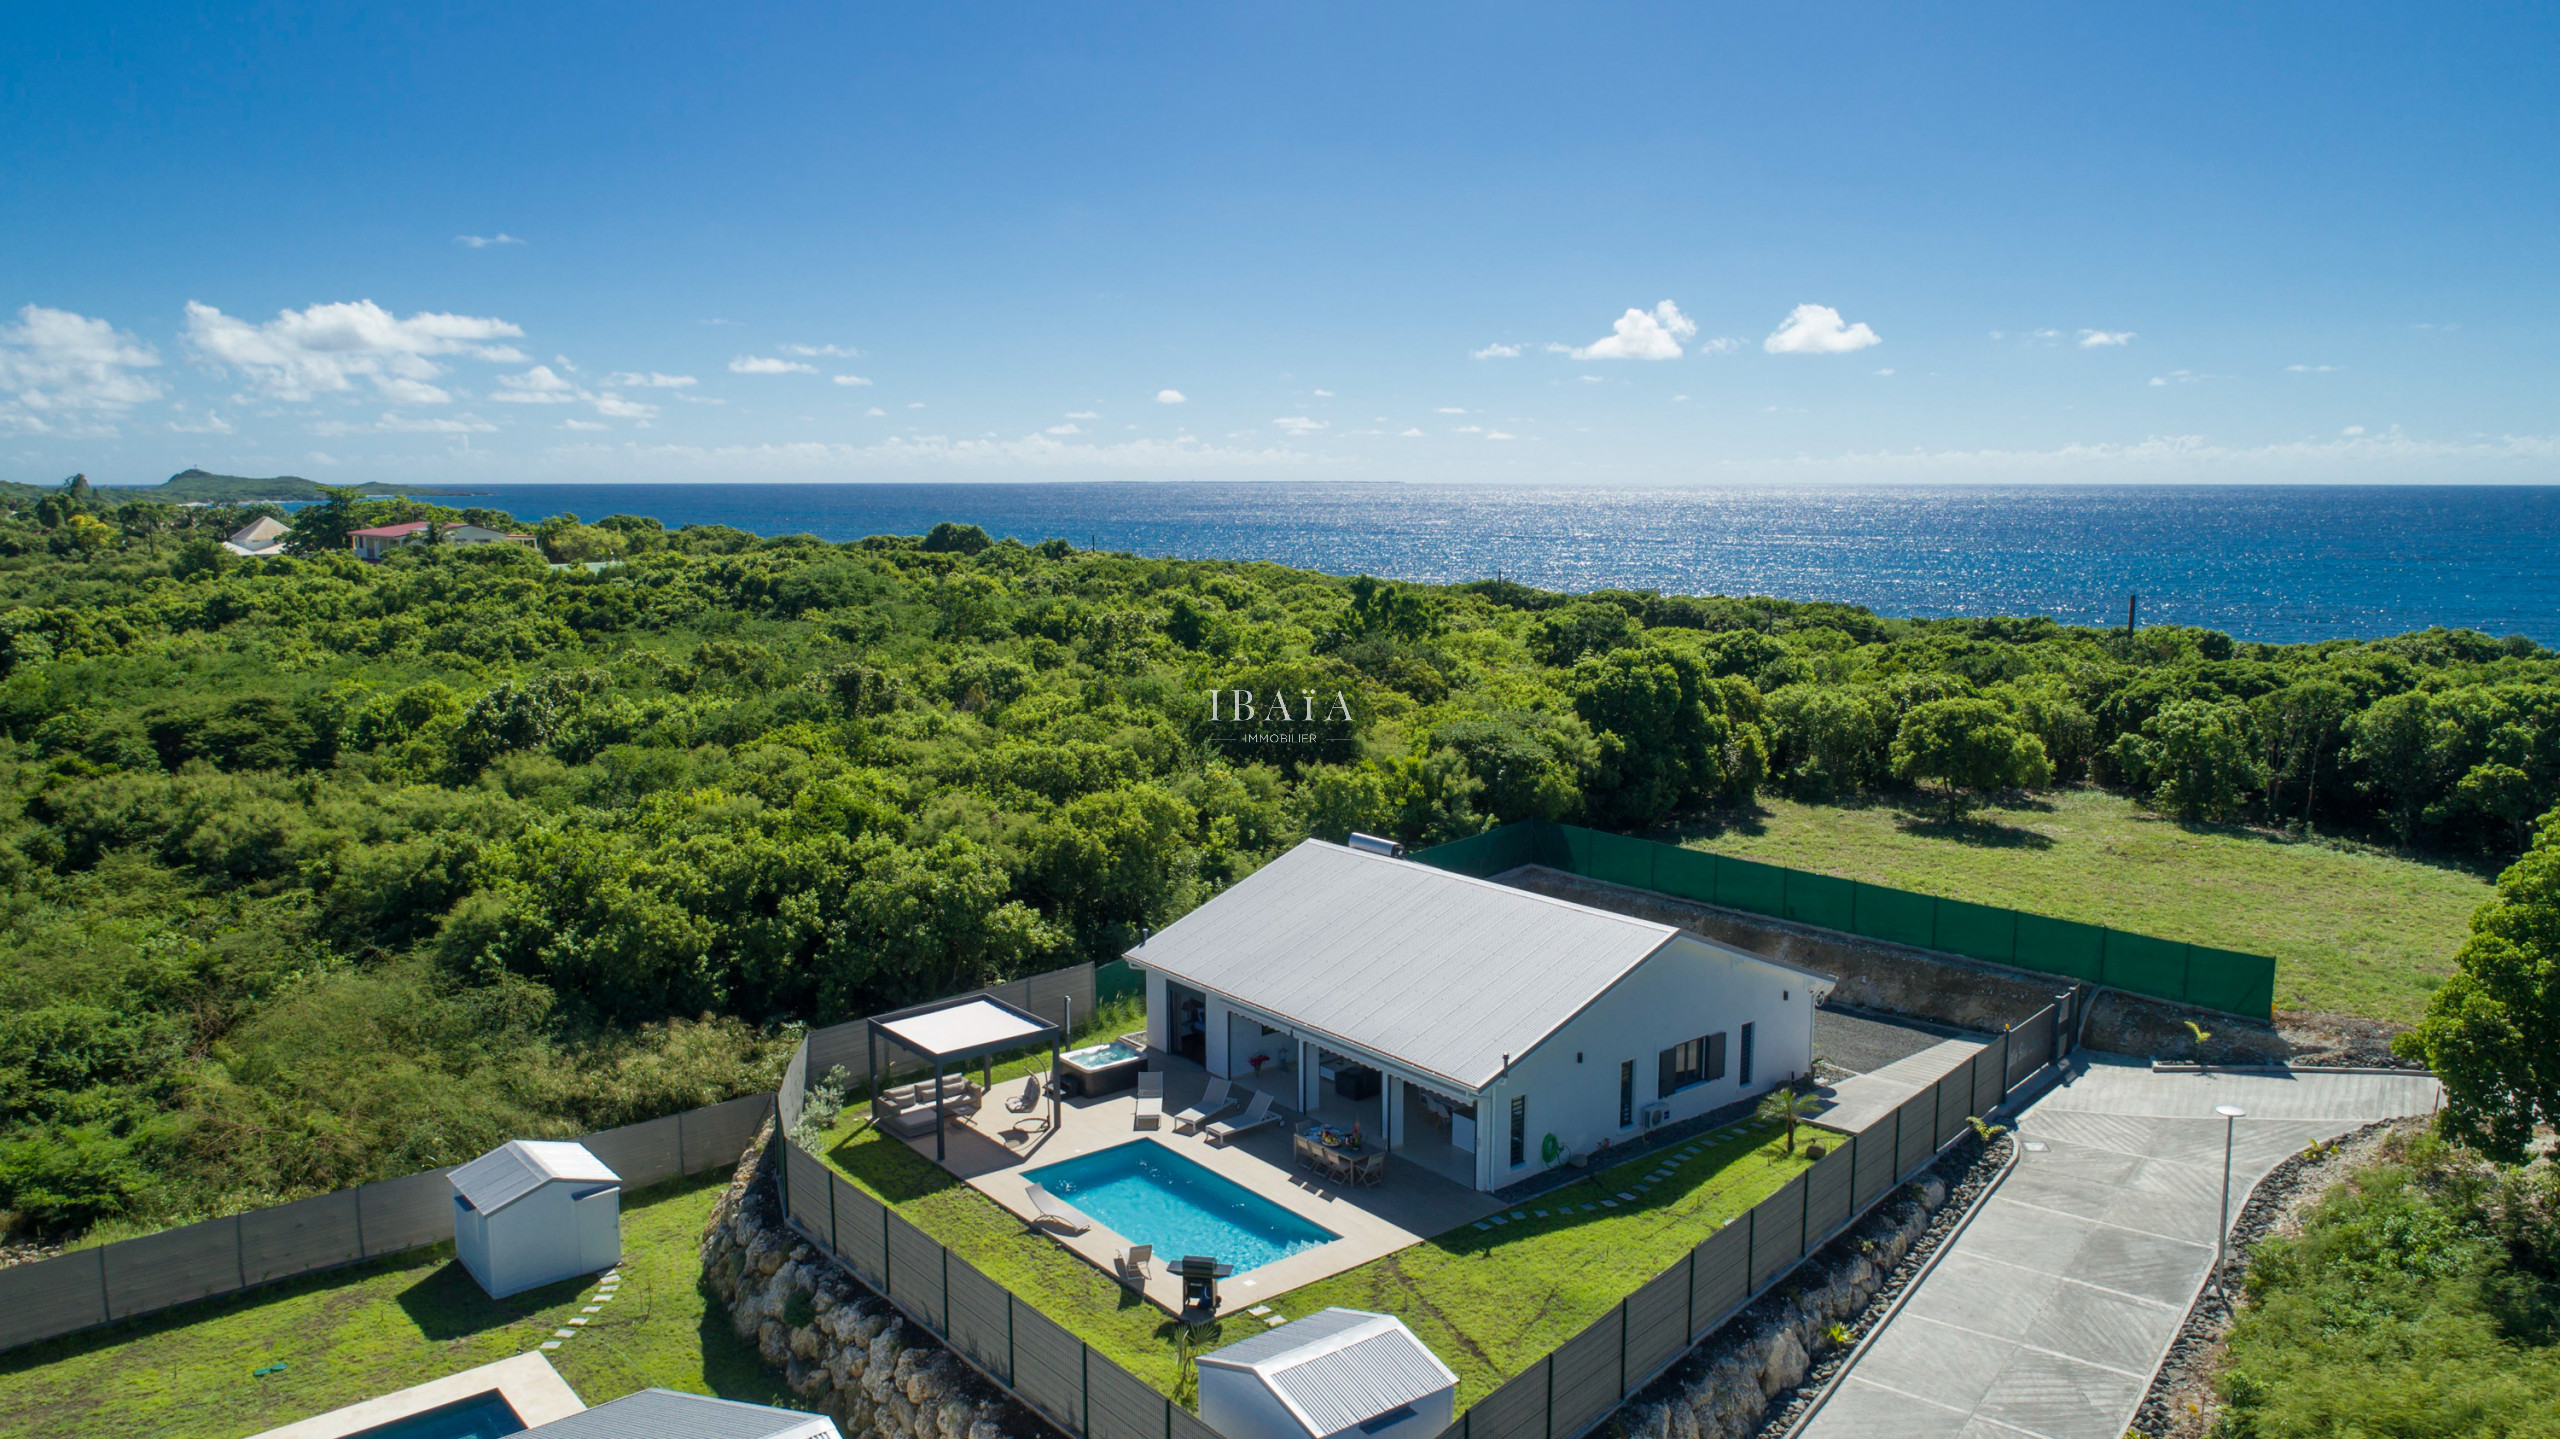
<point x="1434" y="970"/>
<point x="1338" y="1367"/>
<point x="520" y="1166"/>
<point x="667" y="1414"/>
<point x="391" y="532"/>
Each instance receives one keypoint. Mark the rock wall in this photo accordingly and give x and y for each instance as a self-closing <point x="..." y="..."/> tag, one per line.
<point x="1925" y="984"/>
<point x="837" y="1344"/>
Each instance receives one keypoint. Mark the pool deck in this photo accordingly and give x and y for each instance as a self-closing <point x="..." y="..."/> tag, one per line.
<point x="991" y="1151"/>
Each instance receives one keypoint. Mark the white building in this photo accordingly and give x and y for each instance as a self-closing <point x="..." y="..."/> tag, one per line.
<point x="259" y="538"/>
<point x="532" y="1212"/>
<point x="668" y="1414"/>
<point x="1334" y="1372"/>
<point x="1485" y="1031"/>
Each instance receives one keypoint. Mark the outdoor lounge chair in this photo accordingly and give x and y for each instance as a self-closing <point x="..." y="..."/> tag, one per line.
<point x="1027" y="1100"/>
<point x="1217" y="1099"/>
<point x="1150" y="1111"/>
<point x="1131" y="1263"/>
<point x="1048" y="1208"/>
<point x="1256" y="1115"/>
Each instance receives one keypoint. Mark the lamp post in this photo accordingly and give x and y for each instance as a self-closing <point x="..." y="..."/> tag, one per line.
<point x="2231" y="1114"/>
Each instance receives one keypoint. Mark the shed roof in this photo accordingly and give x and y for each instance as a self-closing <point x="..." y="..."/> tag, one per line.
<point x="667" y="1414"/>
<point x="520" y="1166"/>
<point x="1435" y="970"/>
<point x="1338" y="1367"/>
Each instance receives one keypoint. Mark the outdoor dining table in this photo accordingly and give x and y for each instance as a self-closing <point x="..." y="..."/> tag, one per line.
<point x="1339" y="1161"/>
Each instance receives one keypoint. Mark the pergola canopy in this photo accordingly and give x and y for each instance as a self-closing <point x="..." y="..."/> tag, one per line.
<point x="964" y="1028"/>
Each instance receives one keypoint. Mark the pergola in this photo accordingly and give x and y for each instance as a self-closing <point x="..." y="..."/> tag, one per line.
<point x="955" y="1031"/>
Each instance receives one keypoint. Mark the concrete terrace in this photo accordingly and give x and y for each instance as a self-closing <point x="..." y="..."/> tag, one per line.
<point x="2051" y="1312"/>
<point x="991" y="1150"/>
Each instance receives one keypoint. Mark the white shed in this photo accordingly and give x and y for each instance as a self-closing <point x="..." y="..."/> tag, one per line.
<point x="1334" y="1372"/>
<point x="534" y="1211"/>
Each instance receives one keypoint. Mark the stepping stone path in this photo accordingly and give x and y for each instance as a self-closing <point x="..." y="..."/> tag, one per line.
<point x="1622" y="1194"/>
<point x="1259" y="1310"/>
<point x="1480" y="1224"/>
<point x="1608" y="1204"/>
<point x="1517" y="1214"/>
<point x="1542" y="1214"/>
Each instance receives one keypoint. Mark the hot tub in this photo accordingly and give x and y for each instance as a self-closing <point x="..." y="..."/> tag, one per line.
<point x="1100" y="1069"/>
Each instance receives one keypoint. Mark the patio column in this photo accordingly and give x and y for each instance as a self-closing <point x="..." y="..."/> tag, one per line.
<point x="937" y="1109"/>
<point x="1391" y="1116"/>
<point x="1308" y="1085"/>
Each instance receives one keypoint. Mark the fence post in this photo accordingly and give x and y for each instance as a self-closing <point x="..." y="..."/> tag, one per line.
<point x="1622" y="1349"/>
<point x="239" y="1253"/>
<point x="1012" y="1371"/>
<point x="1084" y="1384"/>
<point x="885" y="1278"/>
<point x="1804" y="1226"/>
<point x="2013" y="936"/>
<point x="1551" y="1394"/>
<point x="831" y="1215"/>
<point x="1853" y="1173"/>
<point x="681" y="1169"/>
<point x="1689" y="1331"/>
<point x="946" y="1288"/>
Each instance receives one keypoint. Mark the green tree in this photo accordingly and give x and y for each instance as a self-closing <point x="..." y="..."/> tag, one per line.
<point x="2492" y="1031"/>
<point x="2400" y="745"/>
<point x="324" y="527"/>
<point x="1970" y="746"/>
<point x="1529" y="762"/>
<point x="2193" y="757"/>
<point x="1666" y="731"/>
<point x="1582" y="628"/>
<point x="2297" y="726"/>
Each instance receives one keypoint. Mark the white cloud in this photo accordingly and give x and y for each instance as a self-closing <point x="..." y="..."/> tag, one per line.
<point x="1720" y="345"/>
<point x="327" y="348"/>
<point x="850" y="380"/>
<point x="1450" y="410"/>
<point x="392" y="422"/>
<point x="1679" y="399"/>
<point x="1643" y="335"/>
<point x="1468" y="430"/>
<point x="915" y="404"/>
<point x="2102" y="339"/>
<point x="2352" y="430"/>
<point x="1818" y="330"/>
<point x="1496" y="352"/>
<point x="537" y="386"/>
<point x="911" y="452"/>
<point x="768" y="365"/>
<point x="1324" y="394"/>
<point x="53" y="362"/>
<point x="1084" y="414"/>
<point x="482" y="242"/>
<point x="876" y="412"/>
<point x="613" y="406"/>
<point x="1300" y="424"/>
<point x="2310" y="369"/>
<point x="1410" y="434"/>
<point x="628" y="380"/>
<point x="1069" y="428"/>
<point x="2183" y="377"/>
<point x="1499" y="435"/>
<point x="1172" y="397"/>
<point x="2048" y="334"/>
<point x="841" y="352"/>
<point x="1590" y="379"/>
<point x="577" y="424"/>
<point x="1886" y="371"/>
<point x="211" y="424"/>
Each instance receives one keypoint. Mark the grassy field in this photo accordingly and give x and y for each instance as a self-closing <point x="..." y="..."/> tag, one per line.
<point x="2352" y="931"/>
<point x="1488" y="1302"/>
<point x="356" y="1333"/>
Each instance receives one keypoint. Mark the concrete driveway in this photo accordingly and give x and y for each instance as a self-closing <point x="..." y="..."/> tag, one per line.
<point x="2056" y="1306"/>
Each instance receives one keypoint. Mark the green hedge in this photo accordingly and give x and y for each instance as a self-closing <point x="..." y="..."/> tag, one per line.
<point x="2242" y="984"/>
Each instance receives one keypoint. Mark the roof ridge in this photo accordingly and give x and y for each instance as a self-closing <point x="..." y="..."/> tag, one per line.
<point x="1497" y="887"/>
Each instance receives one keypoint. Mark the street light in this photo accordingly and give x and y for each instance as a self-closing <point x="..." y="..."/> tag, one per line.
<point x="2231" y="1114"/>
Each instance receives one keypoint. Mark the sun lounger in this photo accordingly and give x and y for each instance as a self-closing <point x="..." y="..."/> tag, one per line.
<point x="1131" y="1263"/>
<point x="1256" y="1115"/>
<point x="1217" y="1099"/>
<point x="1048" y="1208"/>
<point x="1150" y="1110"/>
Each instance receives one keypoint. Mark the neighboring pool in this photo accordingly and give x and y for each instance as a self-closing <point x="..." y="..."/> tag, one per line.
<point x="482" y="1416"/>
<point x="1151" y="1195"/>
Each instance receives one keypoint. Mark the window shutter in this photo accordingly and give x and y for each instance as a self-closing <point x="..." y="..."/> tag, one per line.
<point x="1715" y="1056"/>
<point x="1669" y="1078"/>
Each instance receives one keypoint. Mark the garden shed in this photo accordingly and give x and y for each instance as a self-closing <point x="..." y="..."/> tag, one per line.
<point x="535" y="1211"/>
<point x="1334" y="1372"/>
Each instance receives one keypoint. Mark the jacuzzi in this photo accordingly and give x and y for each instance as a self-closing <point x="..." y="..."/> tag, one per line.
<point x="1100" y="1068"/>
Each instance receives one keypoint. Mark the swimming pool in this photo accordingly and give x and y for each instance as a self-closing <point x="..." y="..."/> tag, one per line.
<point x="482" y="1416"/>
<point x="1151" y="1195"/>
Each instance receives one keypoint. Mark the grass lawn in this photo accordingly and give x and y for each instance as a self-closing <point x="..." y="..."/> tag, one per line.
<point x="1489" y="1302"/>
<point x="356" y="1333"/>
<point x="2351" y="931"/>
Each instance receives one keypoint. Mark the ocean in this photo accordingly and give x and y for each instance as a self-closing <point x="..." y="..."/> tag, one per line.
<point x="2272" y="563"/>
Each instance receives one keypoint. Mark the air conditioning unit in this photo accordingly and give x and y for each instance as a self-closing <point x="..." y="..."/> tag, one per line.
<point x="1655" y="1115"/>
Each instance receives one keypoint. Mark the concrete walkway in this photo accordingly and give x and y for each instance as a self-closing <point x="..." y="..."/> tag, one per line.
<point x="2055" y="1307"/>
<point x="1862" y="1099"/>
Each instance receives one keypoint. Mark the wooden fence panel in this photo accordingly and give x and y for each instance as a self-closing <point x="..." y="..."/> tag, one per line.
<point x="1876" y="1156"/>
<point x="1586" y="1374"/>
<point x="804" y="1189"/>
<point x="642" y="1154"/>
<point x="915" y="1271"/>
<point x="1658" y="1322"/>
<point x="979" y="1323"/>
<point x="401" y="1214"/>
<point x="1122" y="1405"/>
<point x="1721" y="1278"/>
<point x="1955" y="1101"/>
<point x="862" y="1236"/>
<point x="1048" y="1368"/>
<point x="1827" y="1202"/>
<point x="718" y="1136"/>
<point x="296" y="1238"/>
<point x="172" y="1267"/>
<point x="52" y="1296"/>
<point x="1517" y="1410"/>
<point x="1990" y="1076"/>
<point x="1187" y="1425"/>
<point x="1777" y="1232"/>
<point x="1917" y="1133"/>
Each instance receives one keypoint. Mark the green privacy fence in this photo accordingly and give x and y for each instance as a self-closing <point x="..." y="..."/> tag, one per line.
<point x="2242" y="984"/>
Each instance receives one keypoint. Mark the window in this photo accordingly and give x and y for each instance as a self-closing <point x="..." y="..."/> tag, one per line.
<point x="1519" y="1130"/>
<point x="1626" y="1093"/>
<point x="1692" y="1061"/>
<point x="1746" y="1056"/>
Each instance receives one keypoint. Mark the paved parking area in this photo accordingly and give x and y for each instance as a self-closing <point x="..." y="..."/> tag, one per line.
<point x="2055" y="1307"/>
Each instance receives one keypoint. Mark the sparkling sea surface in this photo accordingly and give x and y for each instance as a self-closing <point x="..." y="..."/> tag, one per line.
<point x="2277" y="563"/>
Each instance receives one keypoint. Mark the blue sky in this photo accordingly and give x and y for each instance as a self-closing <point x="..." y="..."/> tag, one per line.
<point x="1761" y="244"/>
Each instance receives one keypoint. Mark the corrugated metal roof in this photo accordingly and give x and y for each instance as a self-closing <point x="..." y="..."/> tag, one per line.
<point x="1438" y="971"/>
<point x="1339" y="1367"/>
<point x="520" y="1166"/>
<point x="666" y="1414"/>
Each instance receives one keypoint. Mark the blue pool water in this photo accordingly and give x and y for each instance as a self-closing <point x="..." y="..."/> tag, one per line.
<point x="1151" y="1195"/>
<point x="1094" y="1056"/>
<point x="483" y="1416"/>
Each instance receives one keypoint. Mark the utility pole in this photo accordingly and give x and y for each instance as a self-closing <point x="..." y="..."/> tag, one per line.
<point x="2132" y="612"/>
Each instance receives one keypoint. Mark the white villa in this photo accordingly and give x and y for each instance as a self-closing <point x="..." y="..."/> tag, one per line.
<point x="1480" y="1030"/>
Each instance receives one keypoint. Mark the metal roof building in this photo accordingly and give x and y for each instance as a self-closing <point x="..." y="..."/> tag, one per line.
<point x="667" y="1414"/>
<point x="1333" y="1372"/>
<point x="534" y="1211"/>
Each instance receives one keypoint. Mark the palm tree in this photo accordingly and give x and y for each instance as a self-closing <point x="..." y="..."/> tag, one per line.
<point x="1787" y="1106"/>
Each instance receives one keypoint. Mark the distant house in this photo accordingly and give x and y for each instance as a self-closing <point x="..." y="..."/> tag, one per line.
<point x="257" y="539"/>
<point x="532" y="1212"/>
<point x="1336" y="1372"/>
<point x="381" y="540"/>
